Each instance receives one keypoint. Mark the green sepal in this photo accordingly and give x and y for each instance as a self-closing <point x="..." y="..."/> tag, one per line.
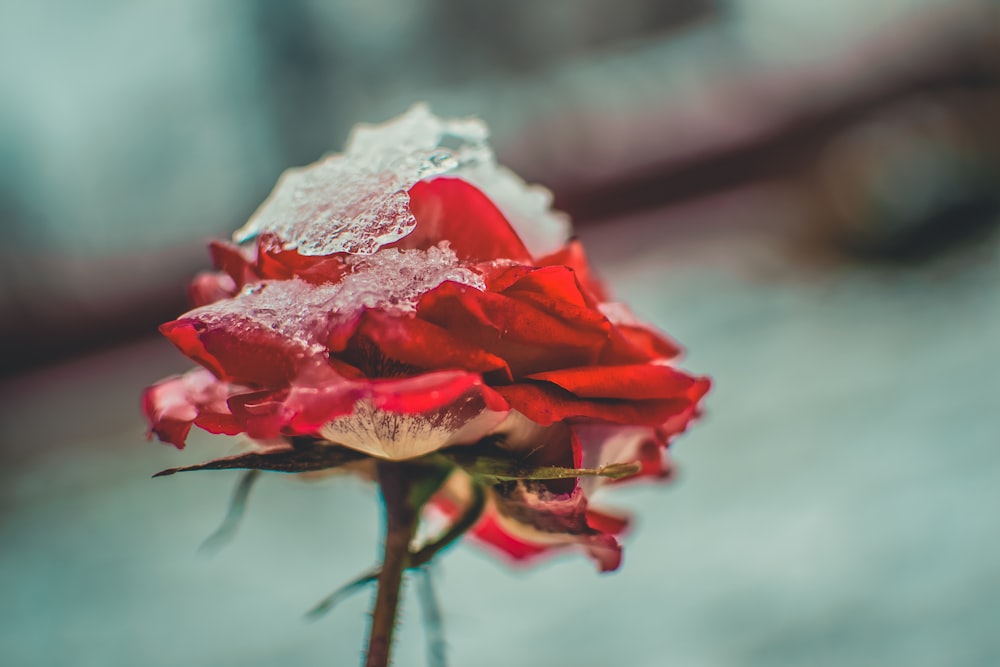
<point x="492" y="470"/>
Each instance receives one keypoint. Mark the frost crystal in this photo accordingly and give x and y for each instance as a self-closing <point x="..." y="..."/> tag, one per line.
<point x="302" y="313"/>
<point x="357" y="201"/>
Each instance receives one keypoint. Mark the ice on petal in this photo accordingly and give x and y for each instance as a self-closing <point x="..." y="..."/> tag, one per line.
<point x="294" y="309"/>
<point x="418" y="131"/>
<point x="394" y="279"/>
<point x="357" y="201"/>
<point x="303" y="313"/>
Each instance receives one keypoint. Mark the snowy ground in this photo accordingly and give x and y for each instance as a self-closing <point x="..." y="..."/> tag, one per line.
<point x="837" y="506"/>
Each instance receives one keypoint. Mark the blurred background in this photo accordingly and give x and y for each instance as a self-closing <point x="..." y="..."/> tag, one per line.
<point x="805" y="193"/>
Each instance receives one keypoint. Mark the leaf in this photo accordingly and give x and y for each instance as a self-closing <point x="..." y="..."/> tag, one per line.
<point x="237" y="505"/>
<point x="496" y="470"/>
<point x="301" y="458"/>
<point x="341" y="594"/>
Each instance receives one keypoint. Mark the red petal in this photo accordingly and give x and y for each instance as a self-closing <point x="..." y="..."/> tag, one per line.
<point x="547" y="404"/>
<point x="632" y="343"/>
<point x="605" y="551"/>
<point x="573" y="256"/>
<point x="208" y="288"/>
<point x="419" y="343"/>
<point x="263" y="336"/>
<point x="186" y="336"/>
<point x="635" y="381"/>
<point x="490" y="532"/>
<point x="254" y="356"/>
<point x="500" y="276"/>
<point x="197" y="397"/>
<point x="321" y="394"/>
<point x="424" y="393"/>
<point x="275" y="261"/>
<point x="604" y="522"/>
<point x="318" y="395"/>
<point x="270" y="260"/>
<point x="234" y="261"/>
<point x="261" y="413"/>
<point x="450" y="209"/>
<point x="555" y="289"/>
<point x="528" y="337"/>
<point x="634" y="337"/>
<point x="531" y="522"/>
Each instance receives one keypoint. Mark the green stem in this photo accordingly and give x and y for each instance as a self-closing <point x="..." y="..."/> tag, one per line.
<point x="396" y="482"/>
<point x="417" y="559"/>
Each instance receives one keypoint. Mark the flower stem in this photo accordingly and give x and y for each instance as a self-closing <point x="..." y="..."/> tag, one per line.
<point x="396" y="482"/>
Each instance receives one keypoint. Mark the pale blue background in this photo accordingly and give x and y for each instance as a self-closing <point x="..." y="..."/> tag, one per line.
<point x="840" y="502"/>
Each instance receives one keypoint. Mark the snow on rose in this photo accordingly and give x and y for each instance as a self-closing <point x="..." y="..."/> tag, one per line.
<point x="410" y="302"/>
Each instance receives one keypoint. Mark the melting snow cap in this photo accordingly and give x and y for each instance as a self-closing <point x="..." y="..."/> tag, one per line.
<point x="357" y="201"/>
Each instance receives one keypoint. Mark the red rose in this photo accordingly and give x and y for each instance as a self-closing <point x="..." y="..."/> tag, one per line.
<point x="410" y="297"/>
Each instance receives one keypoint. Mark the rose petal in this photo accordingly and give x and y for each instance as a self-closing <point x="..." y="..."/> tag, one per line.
<point x="450" y="209"/>
<point x="538" y="518"/>
<point x="274" y="260"/>
<point x="547" y="404"/>
<point x="235" y="261"/>
<point x="443" y="408"/>
<point x="606" y="522"/>
<point x="263" y="336"/>
<point x="422" y="344"/>
<point x="208" y="288"/>
<point x="634" y="381"/>
<point x="556" y="290"/>
<point x="429" y="391"/>
<point x="636" y="334"/>
<point x="172" y="405"/>
<point x="489" y="532"/>
<point x="607" y="444"/>
<point x="544" y="528"/>
<point x="253" y="356"/>
<point x="527" y="336"/>
<point x="573" y="256"/>
<point x="527" y="207"/>
<point x="630" y="344"/>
